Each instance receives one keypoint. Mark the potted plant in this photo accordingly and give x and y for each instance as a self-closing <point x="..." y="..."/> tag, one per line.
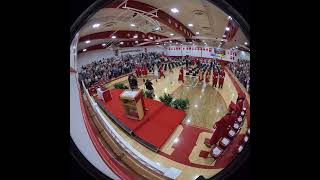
<point x="166" y="99"/>
<point x="181" y="104"/>
<point x="120" y="86"/>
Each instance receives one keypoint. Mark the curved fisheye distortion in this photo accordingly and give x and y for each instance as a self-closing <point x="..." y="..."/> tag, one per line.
<point x="161" y="89"/>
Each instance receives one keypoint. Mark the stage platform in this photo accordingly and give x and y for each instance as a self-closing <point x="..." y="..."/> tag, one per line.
<point x="156" y="126"/>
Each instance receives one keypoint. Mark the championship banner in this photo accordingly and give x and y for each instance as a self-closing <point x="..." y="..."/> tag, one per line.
<point x="220" y="51"/>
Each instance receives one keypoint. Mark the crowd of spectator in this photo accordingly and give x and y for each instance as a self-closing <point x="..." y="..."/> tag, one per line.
<point x="241" y="69"/>
<point x="107" y="69"/>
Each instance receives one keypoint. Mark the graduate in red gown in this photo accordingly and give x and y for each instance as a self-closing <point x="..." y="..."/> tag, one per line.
<point x="215" y="78"/>
<point x="200" y="75"/>
<point x="138" y="71"/>
<point x="221" y="78"/>
<point x="162" y="72"/>
<point x="223" y="126"/>
<point x="181" y="75"/>
<point x="240" y="101"/>
<point x="207" y="76"/>
<point x="145" y="71"/>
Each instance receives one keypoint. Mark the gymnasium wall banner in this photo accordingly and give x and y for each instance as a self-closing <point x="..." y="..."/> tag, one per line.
<point x="220" y="51"/>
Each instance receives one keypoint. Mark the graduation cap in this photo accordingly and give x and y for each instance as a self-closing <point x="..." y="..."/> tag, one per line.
<point x="232" y="106"/>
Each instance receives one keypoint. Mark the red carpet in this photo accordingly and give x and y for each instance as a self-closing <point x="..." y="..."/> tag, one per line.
<point x="156" y="126"/>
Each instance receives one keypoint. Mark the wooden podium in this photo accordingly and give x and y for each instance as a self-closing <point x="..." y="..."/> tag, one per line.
<point x="133" y="104"/>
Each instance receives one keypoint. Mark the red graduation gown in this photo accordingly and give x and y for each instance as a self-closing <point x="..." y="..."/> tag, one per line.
<point x="161" y="71"/>
<point x="215" y="77"/>
<point x="222" y="128"/>
<point x="181" y="75"/>
<point x="221" y="77"/>
<point x="239" y="107"/>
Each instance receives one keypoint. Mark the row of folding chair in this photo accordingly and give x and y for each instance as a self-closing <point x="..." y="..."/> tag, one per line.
<point x="233" y="132"/>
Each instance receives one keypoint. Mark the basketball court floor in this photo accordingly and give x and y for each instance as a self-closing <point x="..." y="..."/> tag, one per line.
<point x="207" y="106"/>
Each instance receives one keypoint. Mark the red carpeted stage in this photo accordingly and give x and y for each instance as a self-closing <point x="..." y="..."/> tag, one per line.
<point x="156" y="126"/>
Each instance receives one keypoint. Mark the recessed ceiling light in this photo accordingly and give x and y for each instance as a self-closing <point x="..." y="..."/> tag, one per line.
<point x="245" y="43"/>
<point x="157" y="43"/>
<point x="84" y="50"/>
<point x="237" y="47"/>
<point x="158" y="28"/>
<point x="190" y="25"/>
<point x="87" y="42"/>
<point x="170" y="41"/>
<point x="174" y="10"/>
<point x="227" y="28"/>
<point x="121" y="42"/>
<point x="229" y="17"/>
<point x="150" y="37"/>
<point x="224" y="36"/>
<point x="197" y="33"/>
<point x="103" y="44"/>
<point x="133" y="25"/>
<point x="136" y="42"/>
<point x="135" y="36"/>
<point x="176" y="42"/>
<point x="95" y="25"/>
<point x="113" y="37"/>
<point x="171" y="34"/>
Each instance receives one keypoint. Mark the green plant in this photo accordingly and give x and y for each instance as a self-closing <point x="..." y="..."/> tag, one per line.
<point x="166" y="99"/>
<point x="180" y="103"/>
<point x="120" y="86"/>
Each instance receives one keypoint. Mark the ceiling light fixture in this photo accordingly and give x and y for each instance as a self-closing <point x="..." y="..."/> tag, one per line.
<point x="227" y="29"/>
<point x="171" y="34"/>
<point x="174" y="10"/>
<point x="150" y="37"/>
<point x="224" y="36"/>
<point x="135" y="36"/>
<point x="87" y="42"/>
<point x="84" y="50"/>
<point x="113" y="37"/>
<point x="133" y="25"/>
<point x="103" y="44"/>
<point x="229" y="17"/>
<point x="95" y="25"/>
<point x="245" y="43"/>
<point x="197" y="33"/>
<point x="121" y="42"/>
<point x="190" y="25"/>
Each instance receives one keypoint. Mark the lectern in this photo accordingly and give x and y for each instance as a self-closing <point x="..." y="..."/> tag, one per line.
<point x="133" y="105"/>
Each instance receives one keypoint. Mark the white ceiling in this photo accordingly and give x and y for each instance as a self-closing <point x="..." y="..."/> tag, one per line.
<point x="207" y="19"/>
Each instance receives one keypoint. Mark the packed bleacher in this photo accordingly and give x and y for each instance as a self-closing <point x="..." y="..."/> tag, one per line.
<point x="241" y="69"/>
<point x="106" y="69"/>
